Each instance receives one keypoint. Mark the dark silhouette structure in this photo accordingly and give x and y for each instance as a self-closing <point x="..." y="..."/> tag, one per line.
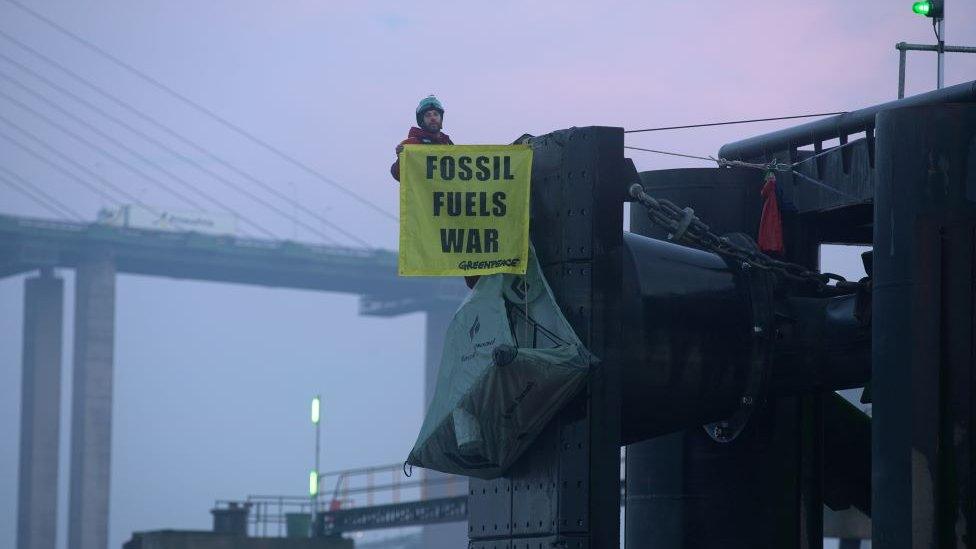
<point x="718" y="374"/>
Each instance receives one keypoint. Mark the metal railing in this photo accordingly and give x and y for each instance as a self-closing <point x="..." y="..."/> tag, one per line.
<point x="344" y="490"/>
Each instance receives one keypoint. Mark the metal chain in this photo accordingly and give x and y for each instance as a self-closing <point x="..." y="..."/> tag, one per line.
<point x="683" y="226"/>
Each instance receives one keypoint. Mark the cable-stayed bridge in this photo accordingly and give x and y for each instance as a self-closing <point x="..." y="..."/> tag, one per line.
<point x="56" y="120"/>
<point x="98" y="252"/>
<point x="28" y="244"/>
<point x="57" y="124"/>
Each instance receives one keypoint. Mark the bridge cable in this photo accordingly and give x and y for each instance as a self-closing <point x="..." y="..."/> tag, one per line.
<point x="45" y="200"/>
<point x="65" y="158"/>
<point x="128" y="165"/>
<point x="170" y="132"/>
<point x="708" y="124"/>
<point x="78" y="138"/>
<point x="196" y="106"/>
<point x="125" y="194"/>
<point x="26" y="183"/>
<point x="104" y="195"/>
<point x="146" y="160"/>
<point x="113" y="158"/>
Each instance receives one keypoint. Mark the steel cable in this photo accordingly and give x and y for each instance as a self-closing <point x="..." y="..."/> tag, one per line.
<point x="175" y="135"/>
<point x="125" y="194"/>
<point x="45" y="200"/>
<point x="196" y="106"/>
<point x="129" y="166"/>
<point x="708" y="124"/>
<point x="773" y="166"/>
<point x="65" y="158"/>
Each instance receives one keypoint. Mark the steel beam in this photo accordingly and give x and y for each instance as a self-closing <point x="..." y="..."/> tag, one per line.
<point x="763" y="146"/>
<point x="91" y="412"/>
<point x="40" y="413"/>
<point x="565" y="491"/>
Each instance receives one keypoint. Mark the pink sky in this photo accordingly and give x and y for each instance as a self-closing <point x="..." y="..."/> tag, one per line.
<point x="335" y="84"/>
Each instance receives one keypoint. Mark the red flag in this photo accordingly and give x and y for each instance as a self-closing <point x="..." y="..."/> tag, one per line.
<point x="771" y="223"/>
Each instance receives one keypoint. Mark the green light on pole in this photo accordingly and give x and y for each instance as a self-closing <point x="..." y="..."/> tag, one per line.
<point x="313" y="483"/>
<point x="929" y="8"/>
<point x="315" y="410"/>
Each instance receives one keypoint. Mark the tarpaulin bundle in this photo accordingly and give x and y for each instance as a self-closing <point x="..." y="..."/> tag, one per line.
<point x="510" y="362"/>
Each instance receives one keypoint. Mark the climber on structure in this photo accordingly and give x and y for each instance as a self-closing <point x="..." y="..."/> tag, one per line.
<point x="430" y="121"/>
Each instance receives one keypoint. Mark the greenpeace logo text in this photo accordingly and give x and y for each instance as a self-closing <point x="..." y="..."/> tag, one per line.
<point x="494" y="263"/>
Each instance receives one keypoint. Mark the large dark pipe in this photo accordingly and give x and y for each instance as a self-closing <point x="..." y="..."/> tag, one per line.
<point x="688" y="340"/>
<point x="837" y="126"/>
<point x="690" y="315"/>
<point x="691" y="342"/>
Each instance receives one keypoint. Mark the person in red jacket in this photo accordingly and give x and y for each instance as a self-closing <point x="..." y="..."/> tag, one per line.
<point x="430" y="121"/>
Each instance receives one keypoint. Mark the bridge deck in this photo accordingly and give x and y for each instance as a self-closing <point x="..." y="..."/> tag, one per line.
<point x="29" y="243"/>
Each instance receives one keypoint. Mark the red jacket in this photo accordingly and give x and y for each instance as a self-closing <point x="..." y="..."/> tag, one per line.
<point x="419" y="136"/>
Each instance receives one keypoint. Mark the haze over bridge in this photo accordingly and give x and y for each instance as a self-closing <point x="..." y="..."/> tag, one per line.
<point x="98" y="253"/>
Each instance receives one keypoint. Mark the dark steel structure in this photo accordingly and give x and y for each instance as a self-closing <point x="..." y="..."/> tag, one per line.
<point x="690" y="339"/>
<point x="925" y="327"/>
<point x="566" y="492"/>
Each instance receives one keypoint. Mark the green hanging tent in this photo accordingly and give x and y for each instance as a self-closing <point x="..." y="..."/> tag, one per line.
<point x="510" y="362"/>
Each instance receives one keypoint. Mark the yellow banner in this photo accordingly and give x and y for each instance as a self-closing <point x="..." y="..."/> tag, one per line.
<point x="464" y="209"/>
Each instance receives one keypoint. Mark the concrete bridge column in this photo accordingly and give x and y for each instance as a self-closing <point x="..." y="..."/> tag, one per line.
<point x="91" y="407"/>
<point x="40" y="411"/>
<point x="451" y="535"/>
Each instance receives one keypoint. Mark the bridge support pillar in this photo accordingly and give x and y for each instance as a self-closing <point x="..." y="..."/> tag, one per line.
<point x="91" y="412"/>
<point x="40" y="412"/>
<point x="455" y="534"/>
<point x="436" y="325"/>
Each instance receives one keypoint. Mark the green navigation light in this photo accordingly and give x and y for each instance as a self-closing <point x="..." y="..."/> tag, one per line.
<point x="934" y="9"/>
<point x="315" y="410"/>
<point x="313" y="483"/>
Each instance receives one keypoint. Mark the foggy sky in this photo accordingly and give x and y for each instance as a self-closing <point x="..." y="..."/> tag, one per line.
<point x="212" y="381"/>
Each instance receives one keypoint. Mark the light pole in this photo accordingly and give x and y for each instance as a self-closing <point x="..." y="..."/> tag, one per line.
<point x="313" y="477"/>
<point x="935" y="10"/>
<point x="940" y="36"/>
